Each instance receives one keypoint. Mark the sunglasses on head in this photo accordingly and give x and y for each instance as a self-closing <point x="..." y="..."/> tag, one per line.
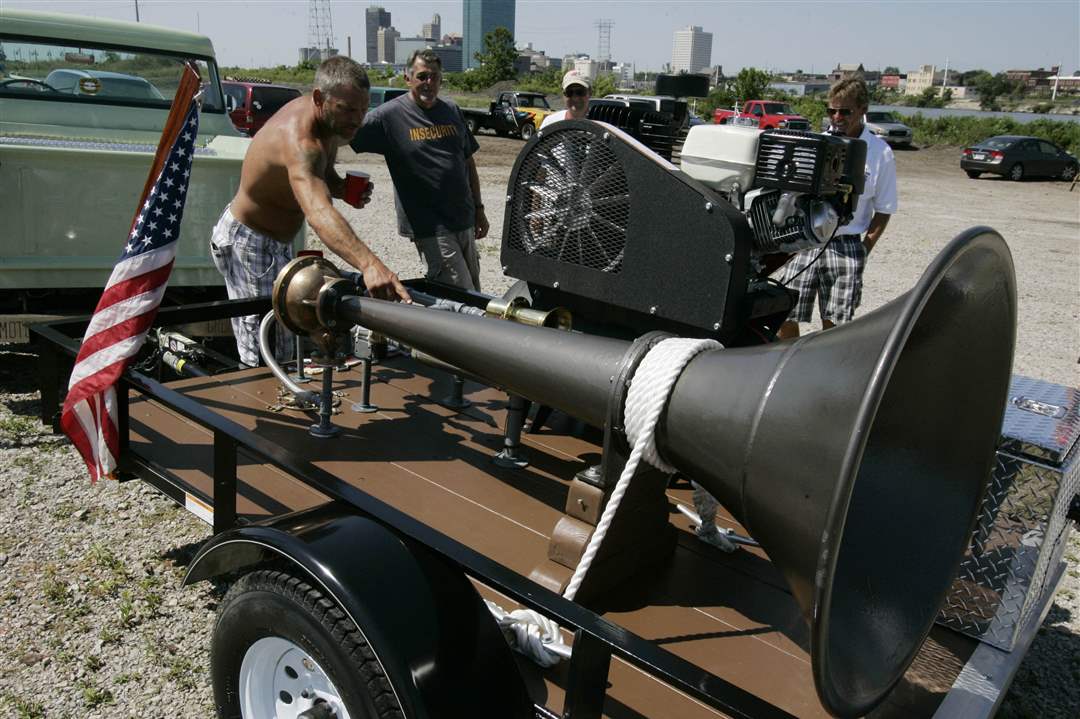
<point x="841" y="111"/>
<point x="575" y="91"/>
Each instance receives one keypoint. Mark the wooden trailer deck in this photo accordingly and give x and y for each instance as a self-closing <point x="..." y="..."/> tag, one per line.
<point x="730" y="614"/>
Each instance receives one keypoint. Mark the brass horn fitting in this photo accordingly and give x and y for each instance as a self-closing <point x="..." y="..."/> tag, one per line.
<point x="296" y="297"/>
<point x="518" y="310"/>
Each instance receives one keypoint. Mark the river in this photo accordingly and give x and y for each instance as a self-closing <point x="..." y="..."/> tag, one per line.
<point x="946" y="112"/>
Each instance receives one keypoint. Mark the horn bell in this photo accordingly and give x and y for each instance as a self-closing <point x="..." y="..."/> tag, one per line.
<point x="859" y="457"/>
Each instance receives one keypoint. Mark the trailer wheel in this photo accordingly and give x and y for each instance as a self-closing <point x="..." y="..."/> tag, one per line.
<point x="281" y="647"/>
<point x="527" y="131"/>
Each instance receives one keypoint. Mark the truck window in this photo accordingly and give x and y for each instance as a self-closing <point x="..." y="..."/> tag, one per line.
<point x="778" y="108"/>
<point x="270" y="99"/>
<point x="51" y="71"/>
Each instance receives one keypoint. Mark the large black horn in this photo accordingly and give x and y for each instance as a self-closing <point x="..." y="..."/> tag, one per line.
<point x="857" y="456"/>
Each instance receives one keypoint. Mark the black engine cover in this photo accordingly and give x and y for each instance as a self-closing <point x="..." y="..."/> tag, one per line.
<point x="606" y="224"/>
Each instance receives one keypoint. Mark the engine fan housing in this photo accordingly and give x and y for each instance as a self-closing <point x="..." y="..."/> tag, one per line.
<point x="594" y="217"/>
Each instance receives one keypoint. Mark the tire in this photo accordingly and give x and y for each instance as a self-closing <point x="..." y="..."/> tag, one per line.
<point x="472" y="125"/>
<point x="270" y="619"/>
<point x="1069" y="173"/>
<point x="527" y="131"/>
<point x="1016" y="172"/>
<point x="973" y="174"/>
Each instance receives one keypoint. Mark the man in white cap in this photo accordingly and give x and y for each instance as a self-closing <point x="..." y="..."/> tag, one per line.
<point x="576" y="90"/>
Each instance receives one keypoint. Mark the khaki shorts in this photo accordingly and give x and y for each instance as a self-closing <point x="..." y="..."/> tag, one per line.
<point x="451" y="258"/>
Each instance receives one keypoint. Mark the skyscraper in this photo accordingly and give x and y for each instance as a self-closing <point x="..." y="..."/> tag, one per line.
<point x="433" y="30"/>
<point x="480" y="18"/>
<point x="377" y="18"/>
<point x="692" y="51"/>
<point x="387" y="43"/>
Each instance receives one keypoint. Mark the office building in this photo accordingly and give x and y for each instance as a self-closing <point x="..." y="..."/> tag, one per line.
<point x="480" y="18"/>
<point x="450" y="56"/>
<point x="433" y="30"/>
<point x="377" y="18"/>
<point x="692" y="51"/>
<point x="404" y="47"/>
<point x="386" y="44"/>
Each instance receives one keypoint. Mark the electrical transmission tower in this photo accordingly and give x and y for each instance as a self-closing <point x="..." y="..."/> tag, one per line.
<point x="320" y="26"/>
<point x="603" y="39"/>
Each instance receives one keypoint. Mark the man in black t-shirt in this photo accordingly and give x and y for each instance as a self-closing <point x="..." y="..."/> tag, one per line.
<point x="429" y="153"/>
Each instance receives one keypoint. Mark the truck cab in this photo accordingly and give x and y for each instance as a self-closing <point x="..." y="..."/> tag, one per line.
<point x="83" y="102"/>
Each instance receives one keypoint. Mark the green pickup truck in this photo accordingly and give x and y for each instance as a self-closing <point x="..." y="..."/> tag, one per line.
<point x="82" y="105"/>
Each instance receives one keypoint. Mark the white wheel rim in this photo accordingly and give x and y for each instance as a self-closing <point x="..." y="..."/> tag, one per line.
<point x="279" y="680"/>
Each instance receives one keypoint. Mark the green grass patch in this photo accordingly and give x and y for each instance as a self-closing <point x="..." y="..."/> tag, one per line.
<point x="18" y="427"/>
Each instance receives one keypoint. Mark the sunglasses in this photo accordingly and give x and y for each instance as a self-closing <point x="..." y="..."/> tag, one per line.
<point x="841" y="111"/>
<point x="425" y="76"/>
<point x="575" y="92"/>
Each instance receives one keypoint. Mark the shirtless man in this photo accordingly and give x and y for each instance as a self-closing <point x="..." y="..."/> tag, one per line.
<point x="288" y="176"/>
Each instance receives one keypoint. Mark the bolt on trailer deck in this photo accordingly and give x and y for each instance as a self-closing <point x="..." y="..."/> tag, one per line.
<point x="402" y="520"/>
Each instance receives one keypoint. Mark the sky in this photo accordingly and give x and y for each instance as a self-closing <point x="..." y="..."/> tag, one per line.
<point x="808" y="35"/>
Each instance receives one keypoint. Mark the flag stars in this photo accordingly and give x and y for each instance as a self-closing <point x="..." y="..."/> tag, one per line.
<point x="128" y="248"/>
<point x="168" y="233"/>
<point x="175" y="167"/>
<point x="178" y="204"/>
<point x="187" y="136"/>
<point x="152" y="226"/>
<point x="172" y="218"/>
<point x="147" y="241"/>
<point x="157" y="212"/>
<point x="169" y="181"/>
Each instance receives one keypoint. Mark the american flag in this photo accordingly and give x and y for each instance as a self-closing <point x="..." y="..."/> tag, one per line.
<point x="130" y="300"/>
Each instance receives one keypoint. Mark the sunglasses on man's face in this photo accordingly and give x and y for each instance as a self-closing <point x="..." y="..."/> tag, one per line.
<point x="425" y="76"/>
<point x="841" y="111"/>
<point x="575" y="92"/>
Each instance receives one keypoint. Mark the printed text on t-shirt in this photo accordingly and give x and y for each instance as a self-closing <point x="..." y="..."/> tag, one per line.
<point x="434" y="132"/>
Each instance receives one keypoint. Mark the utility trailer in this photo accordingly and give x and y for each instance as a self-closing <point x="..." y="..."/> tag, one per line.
<point x="362" y="543"/>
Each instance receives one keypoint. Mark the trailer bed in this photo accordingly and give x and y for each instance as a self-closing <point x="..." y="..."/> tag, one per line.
<point x="730" y="614"/>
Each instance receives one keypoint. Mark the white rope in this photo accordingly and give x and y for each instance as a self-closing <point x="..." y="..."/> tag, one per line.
<point x="531" y="634"/>
<point x="648" y="395"/>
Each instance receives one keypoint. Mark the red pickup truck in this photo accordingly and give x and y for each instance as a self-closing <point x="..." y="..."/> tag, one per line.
<point x="768" y="114"/>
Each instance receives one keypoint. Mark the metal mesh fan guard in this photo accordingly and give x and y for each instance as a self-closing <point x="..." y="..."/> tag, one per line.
<point x="571" y="203"/>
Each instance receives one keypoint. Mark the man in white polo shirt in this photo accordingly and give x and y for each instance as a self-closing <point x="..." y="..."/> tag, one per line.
<point x="576" y="90"/>
<point x="835" y="278"/>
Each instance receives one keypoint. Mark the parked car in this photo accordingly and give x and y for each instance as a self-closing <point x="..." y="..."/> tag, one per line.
<point x="511" y="113"/>
<point x="768" y="114"/>
<point x="251" y="104"/>
<point x="379" y="95"/>
<point x="1017" y="157"/>
<point x="888" y="128"/>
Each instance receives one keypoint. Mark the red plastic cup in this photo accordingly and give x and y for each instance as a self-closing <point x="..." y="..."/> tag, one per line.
<point x="356" y="184"/>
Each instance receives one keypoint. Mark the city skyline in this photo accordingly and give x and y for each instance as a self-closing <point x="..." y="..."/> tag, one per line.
<point x="964" y="34"/>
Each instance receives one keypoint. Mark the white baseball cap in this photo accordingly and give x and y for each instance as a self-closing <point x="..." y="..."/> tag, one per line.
<point x="576" y="78"/>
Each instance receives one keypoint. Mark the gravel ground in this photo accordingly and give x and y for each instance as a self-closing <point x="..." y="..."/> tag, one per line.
<point x="94" y="622"/>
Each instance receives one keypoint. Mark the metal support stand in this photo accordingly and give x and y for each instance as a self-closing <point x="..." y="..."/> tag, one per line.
<point x="325" y="428"/>
<point x="300" y="377"/>
<point x="509" y="455"/>
<point x="365" y="405"/>
<point x="456" y="398"/>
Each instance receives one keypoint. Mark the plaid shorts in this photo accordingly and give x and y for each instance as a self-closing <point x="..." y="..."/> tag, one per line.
<point x="250" y="262"/>
<point x="835" y="279"/>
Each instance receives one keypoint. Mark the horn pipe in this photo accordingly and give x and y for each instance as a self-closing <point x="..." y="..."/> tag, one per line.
<point x="857" y="457"/>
